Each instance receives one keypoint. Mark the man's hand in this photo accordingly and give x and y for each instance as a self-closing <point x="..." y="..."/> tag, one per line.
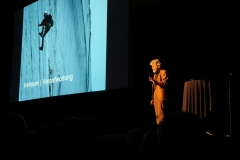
<point x="162" y="83"/>
<point x="151" y="79"/>
<point x="165" y="81"/>
<point x="151" y="103"/>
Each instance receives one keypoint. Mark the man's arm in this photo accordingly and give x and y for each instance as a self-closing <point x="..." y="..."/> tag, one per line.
<point x="164" y="82"/>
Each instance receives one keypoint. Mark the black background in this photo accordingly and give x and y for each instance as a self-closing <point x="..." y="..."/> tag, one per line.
<point x="194" y="40"/>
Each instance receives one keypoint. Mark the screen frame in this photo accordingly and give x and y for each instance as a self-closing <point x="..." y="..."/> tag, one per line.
<point x="114" y="65"/>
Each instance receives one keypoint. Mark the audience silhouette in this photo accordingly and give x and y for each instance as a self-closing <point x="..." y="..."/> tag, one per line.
<point x="93" y="132"/>
<point x="78" y="136"/>
<point x="13" y="134"/>
<point x="134" y="140"/>
<point x="53" y="141"/>
<point x="180" y="135"/>
<point x="150" y="146"/>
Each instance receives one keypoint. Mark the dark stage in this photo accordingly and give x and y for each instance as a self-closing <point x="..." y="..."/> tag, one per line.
<point x="193" y="41"/>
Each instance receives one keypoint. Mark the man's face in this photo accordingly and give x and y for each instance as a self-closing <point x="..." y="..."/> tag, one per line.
<point x="155" y="67"/>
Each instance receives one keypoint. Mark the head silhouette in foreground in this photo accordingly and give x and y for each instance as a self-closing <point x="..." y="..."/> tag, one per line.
<point x="181" y="132"/>
<point x="12" y="134"/>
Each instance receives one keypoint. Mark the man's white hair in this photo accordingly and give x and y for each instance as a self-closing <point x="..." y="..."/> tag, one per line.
<point x="155" y="61"/>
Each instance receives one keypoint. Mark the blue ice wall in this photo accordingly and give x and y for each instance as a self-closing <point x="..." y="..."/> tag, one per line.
<point x="63" y="67"/>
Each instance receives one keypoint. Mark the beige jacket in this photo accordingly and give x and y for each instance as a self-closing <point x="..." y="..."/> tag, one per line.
<point x="160" y="89"/>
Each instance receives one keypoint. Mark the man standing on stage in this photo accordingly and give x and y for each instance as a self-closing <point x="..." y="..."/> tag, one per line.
<point x="159" y="89"/>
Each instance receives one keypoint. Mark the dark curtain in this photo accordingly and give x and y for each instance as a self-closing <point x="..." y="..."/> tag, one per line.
<point x="197" y="97"/>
